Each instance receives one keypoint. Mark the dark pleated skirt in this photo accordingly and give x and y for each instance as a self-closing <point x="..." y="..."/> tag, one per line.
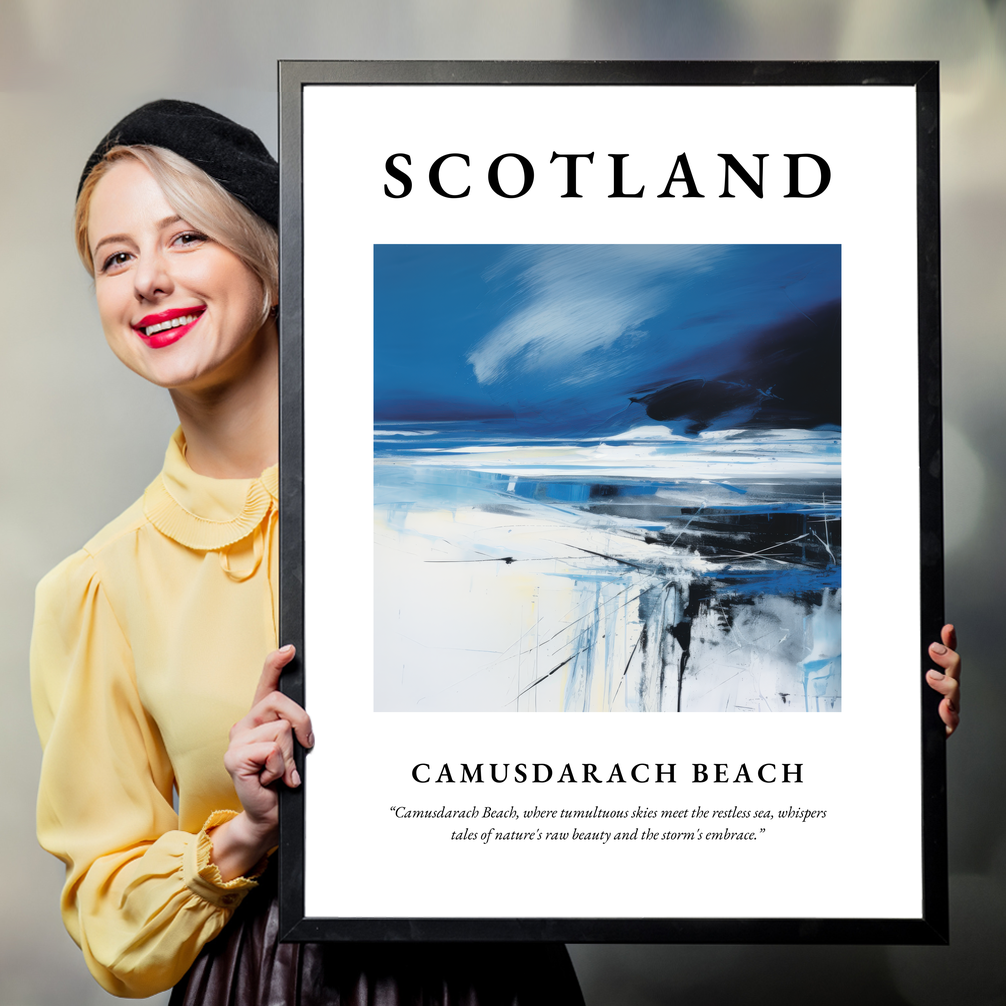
<point x="246" y="965"/>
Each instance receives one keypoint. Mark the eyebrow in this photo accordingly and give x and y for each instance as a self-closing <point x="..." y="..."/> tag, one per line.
<point x="111" y="238"/>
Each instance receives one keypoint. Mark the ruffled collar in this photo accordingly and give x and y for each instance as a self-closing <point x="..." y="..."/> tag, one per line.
<point x="203" y="513"/>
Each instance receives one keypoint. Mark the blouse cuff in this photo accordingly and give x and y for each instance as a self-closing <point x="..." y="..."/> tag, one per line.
<point x="202" y="876"/>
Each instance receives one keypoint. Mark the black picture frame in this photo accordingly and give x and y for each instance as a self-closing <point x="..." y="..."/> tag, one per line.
<point x="931" y="924"/>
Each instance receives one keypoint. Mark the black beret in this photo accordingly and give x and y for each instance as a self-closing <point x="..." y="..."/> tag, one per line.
<point x="231" y="154"/>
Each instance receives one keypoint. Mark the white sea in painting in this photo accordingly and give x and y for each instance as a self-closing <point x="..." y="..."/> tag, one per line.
<point x="645" y="572"/>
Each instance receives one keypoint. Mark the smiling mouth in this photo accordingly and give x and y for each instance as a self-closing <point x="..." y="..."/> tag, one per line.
<point x="167" y="327"/>
<point x="185" y="319"/>
<point x="167" y="321"/>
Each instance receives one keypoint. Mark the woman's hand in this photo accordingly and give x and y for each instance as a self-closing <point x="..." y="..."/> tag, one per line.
<point x="947" y="682"/>
<point x="260" y="753"/>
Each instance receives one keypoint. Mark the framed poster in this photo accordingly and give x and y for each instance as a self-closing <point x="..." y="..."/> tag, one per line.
<point x="611" y="501"/>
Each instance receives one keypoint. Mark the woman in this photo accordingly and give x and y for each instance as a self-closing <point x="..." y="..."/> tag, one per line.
<point x="148" y="643"/>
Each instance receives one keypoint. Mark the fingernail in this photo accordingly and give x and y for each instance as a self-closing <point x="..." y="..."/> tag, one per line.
<point x="287" y="649"/>
<point x="295" y="777"/>
<point x="938" y="648"/>
<point x="936" y="675"/>
<point x="310" y="740"/>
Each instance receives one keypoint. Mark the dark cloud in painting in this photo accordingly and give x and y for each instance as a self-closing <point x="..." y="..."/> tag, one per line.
<point x="789" y="377"/>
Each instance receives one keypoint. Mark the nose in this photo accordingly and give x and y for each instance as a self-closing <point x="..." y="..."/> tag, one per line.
<point x="152" y="276"/>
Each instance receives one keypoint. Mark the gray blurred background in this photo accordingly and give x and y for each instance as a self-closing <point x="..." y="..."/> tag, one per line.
<point x="83" y="436"/>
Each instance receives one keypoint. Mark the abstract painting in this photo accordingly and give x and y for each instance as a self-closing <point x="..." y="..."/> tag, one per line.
<point x="607" y="478"/>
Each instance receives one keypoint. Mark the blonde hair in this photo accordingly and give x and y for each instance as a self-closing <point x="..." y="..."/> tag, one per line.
<point x="199" y="200"/>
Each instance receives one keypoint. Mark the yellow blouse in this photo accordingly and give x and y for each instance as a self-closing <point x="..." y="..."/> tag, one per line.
<point x="147" y="647"/>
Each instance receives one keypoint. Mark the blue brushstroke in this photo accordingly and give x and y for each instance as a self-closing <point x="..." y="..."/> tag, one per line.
<point x="435" y="305"/>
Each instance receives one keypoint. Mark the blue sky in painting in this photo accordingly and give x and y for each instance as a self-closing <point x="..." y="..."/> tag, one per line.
<point x="558" y="339"/>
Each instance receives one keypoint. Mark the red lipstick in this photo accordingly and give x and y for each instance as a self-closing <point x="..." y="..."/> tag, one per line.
<point x="165" y="333"/>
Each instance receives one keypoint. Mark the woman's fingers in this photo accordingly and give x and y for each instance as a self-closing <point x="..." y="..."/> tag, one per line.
<point x="271" y="671"/>
<point x="945" y="656"/>
<point x="947" y="686"/>
<point x="949" y="636"/>
<point x="265" y="739"/>
<point x="274" y="767"/>
<point x="277" y="706"/>
<point x="947" y="680"/>
<point x="261" y="749"/>
<point x="949" y="712"/>
<point x="258" y="761"/>
<point x="270" y="703"/>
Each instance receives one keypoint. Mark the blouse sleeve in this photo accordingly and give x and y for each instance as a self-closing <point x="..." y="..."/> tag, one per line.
<point x="141" y="898"/>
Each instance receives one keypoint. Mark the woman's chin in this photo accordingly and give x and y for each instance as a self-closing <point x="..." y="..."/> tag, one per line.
<point x="172" y="374"/>
<point x="197" y="365"/>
